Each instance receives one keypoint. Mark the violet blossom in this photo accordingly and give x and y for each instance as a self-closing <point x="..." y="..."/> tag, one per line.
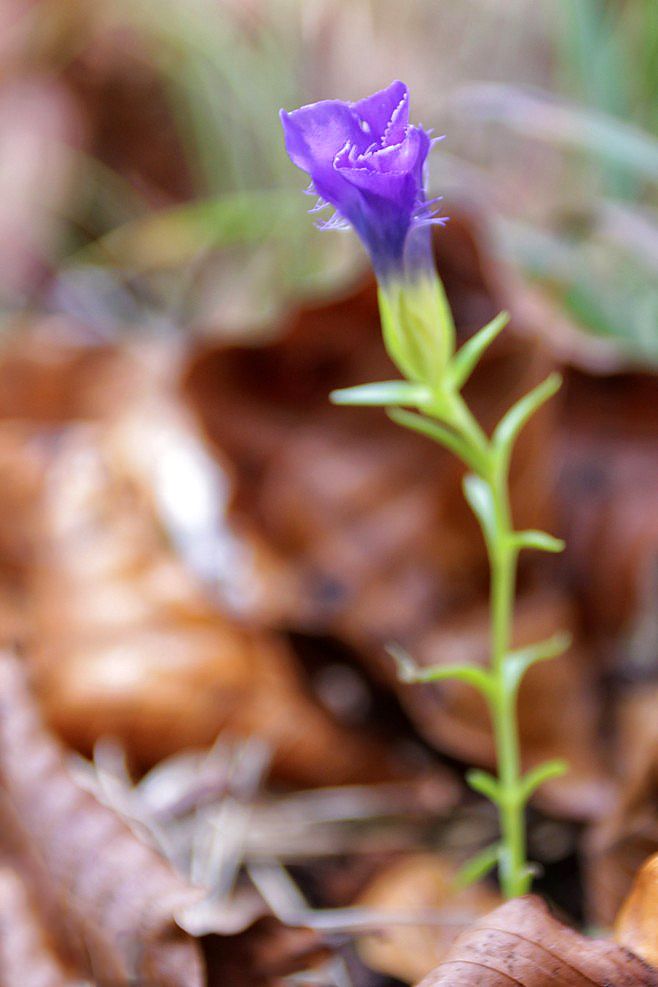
<point x="368" y="162"/>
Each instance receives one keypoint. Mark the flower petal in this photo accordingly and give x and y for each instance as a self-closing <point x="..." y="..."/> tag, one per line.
<point x="385" y="110"/>
<point x="366" y="161"/>
<point x="315" y="133"/>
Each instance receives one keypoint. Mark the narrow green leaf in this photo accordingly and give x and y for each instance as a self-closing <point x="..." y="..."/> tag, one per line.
<point x="513" y="421"/>
<point x="477" y="867"/>
<point x="539" y="540"/>
<point x="537" y="776"/>
<point x="518" y="662"/>
<point x="468" y="356"/>
<point x="383" y="393"/>
<point x="480" y="499"/>
<point x="484" y="783"/>
<point x="438" y="433"/>
<point x="409" y="671"/>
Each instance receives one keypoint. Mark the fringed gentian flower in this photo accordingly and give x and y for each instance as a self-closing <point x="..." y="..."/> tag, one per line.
<point x="368" y="162"/>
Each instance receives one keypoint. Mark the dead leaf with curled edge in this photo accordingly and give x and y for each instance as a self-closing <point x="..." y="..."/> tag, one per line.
<point x="127" y="643"/>
<point x="21" y="476"/>
<point x="110" y="899"/>
<point x="117" y="911"/>
<point x="558" y="709"/>
<point x="521" y="944"/>
<point x="265" y="955"/>
<point x="636" y="926"/>
<point x="38" y="119"/>
<point x="28" y="957"/>
<point x="122" y="637"/>
<point x="608" y="502"/>
<point x="616" y="848"/>
<point x="53" y="372"/>
<point x="419" y="883"/>
<point x="369" y="518"/>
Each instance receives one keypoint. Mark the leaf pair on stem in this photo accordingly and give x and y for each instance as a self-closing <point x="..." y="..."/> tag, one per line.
<point x="442" y="415"/>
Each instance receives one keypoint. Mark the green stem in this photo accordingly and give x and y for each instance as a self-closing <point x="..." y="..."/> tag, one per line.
<point x="514" y="873"/>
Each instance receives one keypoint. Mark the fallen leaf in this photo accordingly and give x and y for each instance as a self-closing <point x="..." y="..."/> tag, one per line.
<point x="122" y="628"/>
<point x="265" y="955"/>
<point x="125" y="102"/>
<point x="419" y="883"/>
<point x="636" y="926"/>
<point x="28" y="957"/>
<point x="522" y="944"/>
<point x="617" y="846"/>
<point x="110" y="899"/>
<point x="103" y="522"/>
<point x="38" y="120"/>
<point x="89" y="880"/>
<point x="608" y="498"/>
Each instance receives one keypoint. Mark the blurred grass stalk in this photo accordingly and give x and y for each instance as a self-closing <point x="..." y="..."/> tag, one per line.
<point x="227" y="67"/>
<point x="226" y="70"/>
<point x="599" y="253"/>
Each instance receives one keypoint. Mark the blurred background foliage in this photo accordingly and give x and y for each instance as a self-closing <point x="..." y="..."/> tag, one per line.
<point x="143" y="180"/>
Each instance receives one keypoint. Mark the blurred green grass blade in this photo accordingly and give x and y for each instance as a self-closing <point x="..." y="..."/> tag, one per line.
<point x="598" y="73"/>
<point x="539" y="117"/>
<point x="172" y="237"/>
<point x="595" y="57"/>
<point x="607" y="288"/>
<point x="227" y="78"/>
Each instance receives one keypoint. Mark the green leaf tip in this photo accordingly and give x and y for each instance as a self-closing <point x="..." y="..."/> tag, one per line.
<point x="468" y="356"/>
<point x="543" y="772"/>
<point x="539" y="540"/>
<point x="382" y="394"/>
<point x="519" y="661"/>
<point x="484" y="783"/>
<point x="407" y="669"/>
<point x="512" y="422"/>
<point x="477" y="867"/>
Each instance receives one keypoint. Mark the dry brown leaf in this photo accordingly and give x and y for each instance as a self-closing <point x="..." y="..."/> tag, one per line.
<point x="127" y="644"/>
<point x="109" y="901"/>
<point x="21" y="475"/>
<point x="619" y="844"/>
<point x="609" y="505"/>
<point x="50" y="375"/>
<point x="38" y="120"/>
<point x="521" y="944"/>
<point x="419" y="883"/>
<point x="122" y="638"/>
<point x="636" y="926"/>
<point x="265" y="955"/>
<point x="28" y="957"/>
<point x="126" y="107"/>
<point x="109" y="898"/>
<point x="558" y="709"/>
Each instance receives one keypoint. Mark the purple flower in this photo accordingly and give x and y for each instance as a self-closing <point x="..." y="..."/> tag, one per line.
<point x="368" y="162"/>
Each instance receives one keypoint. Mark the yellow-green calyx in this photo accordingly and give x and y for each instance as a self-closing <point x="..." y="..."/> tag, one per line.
<point x="419" y="333"/>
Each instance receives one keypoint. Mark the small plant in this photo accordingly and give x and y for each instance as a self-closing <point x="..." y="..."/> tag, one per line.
<point x="369" y="163"/>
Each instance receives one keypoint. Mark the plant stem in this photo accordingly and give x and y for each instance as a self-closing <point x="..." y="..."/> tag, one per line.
<point x="515" y="876"/>
<point x="514" y="873"/>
